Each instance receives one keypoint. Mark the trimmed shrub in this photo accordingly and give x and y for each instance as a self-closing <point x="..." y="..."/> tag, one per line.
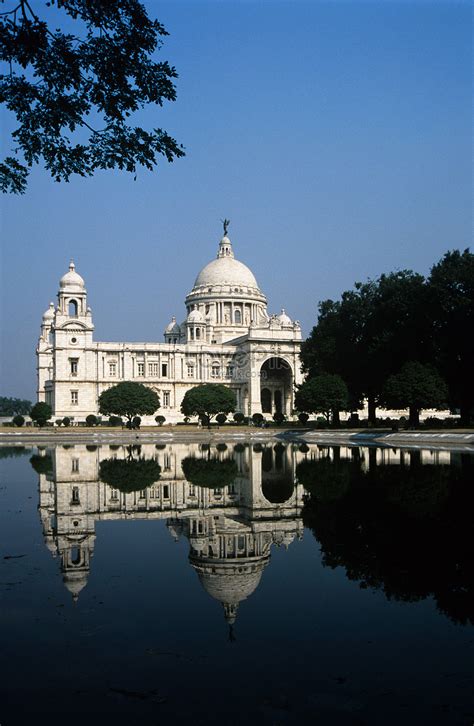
<point x="18" y="420"/>
<point x="91" y="420"/>
<point x="221" y="418"/>
<point x="66" y="421"/>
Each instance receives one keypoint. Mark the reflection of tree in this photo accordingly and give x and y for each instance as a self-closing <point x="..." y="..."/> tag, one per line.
<point x="7" y="452"/>
<point x="42" y="464"/>
<point x="129" y="475"/>
<point x="211" y="472"/>
<point x="404" y="530"/>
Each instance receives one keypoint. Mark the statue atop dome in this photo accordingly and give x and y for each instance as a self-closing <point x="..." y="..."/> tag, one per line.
<point x="225" y="224"/>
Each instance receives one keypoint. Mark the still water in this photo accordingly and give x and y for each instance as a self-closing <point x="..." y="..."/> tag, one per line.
<point x="268" y="583"/>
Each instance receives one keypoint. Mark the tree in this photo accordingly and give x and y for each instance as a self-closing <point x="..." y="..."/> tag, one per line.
<point x="326" y="394"/>
<point x="221" y="418"/>
<point x="279" y="417"/>
<point x="66" y="421"/>
<point x="41" y="413"/>
<point x="18" y="420"/>
<point x="303" y="418"/>
<point x="160" y="420"/>
<point x="239" y="417"/>
<point x="115" y="421"/>
<point x="208" y="400"/>
<point x="451" y="289"/>
<point x="42" y="464"/>
<point x="73" y="93"/>
<point x="92" y="420"/>
<point x="13" y="406"/>
<point x="129" y="399"/>
<point x="370" y="333"/>
<point x="129" y="475"/>
<point x="211" y="472"/>
<point x="415" y="387"/>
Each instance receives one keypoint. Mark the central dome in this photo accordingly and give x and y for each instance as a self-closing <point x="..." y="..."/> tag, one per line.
<point x="226" y="271"/>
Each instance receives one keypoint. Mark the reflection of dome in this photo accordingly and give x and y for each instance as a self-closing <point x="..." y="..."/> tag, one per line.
<point x="230" y="582"/>
<point x="75" y="582"/>
<point x="71" y="280"/>
<point x="49" y="313"/>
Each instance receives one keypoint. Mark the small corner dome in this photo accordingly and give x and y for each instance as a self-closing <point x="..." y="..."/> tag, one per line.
<point x="172" y="327"/>
<point x="49" y="313"/>
<point x="72" y="281"/>
<point x="284" y="318"/>
<point x="195" y="316"/>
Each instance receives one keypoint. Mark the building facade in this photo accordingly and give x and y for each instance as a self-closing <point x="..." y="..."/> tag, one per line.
<point x="228" y="337"/>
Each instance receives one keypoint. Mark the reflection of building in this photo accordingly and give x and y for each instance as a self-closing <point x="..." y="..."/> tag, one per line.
<point x="228" y="337"/>
<point x="230" y="530"/>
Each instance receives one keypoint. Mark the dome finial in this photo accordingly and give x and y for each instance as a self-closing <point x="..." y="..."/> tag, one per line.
<point x="225" y="224"/>
<point x="72" y="266"/>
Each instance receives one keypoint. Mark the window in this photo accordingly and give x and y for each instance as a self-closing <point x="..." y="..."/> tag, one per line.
<point x="142" y="494"/>
<point x="167" y="462"/>
<point x="112" y="369"/>
<point x="190" y="371"/>
<point x="192" y="490"/>
<point x="238" y="317"/>
<point x="75" y="491"/>
<point x="153" y="369"/>
<point x="114" y="495"/>
<point x="140" y="369"/>
<point x="75" y="466"/>
<point x="166" y="492"/>
<point x="230" y="371"/>
<point x="164" y="370"/>
<point x="74" y="398"/>
<point x="215" y="370"/>
<point x="72" y="308"/>
<point x="73" y="363"/>
<point x="166" y="399"/>
<point x="198" y="332"/>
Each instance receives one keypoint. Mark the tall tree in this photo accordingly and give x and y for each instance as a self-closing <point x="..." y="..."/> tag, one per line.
<point x="128" y="399"/>
<point x="326" y="394"/>
<point x="451" y="286"/>
<point x="41" y="413"/>
<point x="415" y="387"/>
<point x="370" y="333"/>
<point x="208" y="400"/>
<point x="73" y="91"/>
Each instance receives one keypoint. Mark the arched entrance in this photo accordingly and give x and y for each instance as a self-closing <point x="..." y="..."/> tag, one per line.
<point x="276" y="386"/>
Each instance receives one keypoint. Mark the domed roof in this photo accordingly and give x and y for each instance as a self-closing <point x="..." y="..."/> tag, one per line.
<point x="173" y="326"/>
<point x="49" y="313"/>
<point x="284" y="318"/>
<point x="72" y="280"/>
<point x="226" y="270"/>
<point x="195" y="316"/>
<point x="228" y="586"/>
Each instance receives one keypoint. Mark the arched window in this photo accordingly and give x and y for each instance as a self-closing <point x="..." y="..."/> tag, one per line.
<point x="72" y="308"/>
<point x="215" y="370"/>
<point x="266" y="400"/>
<point x="238" y="317"/>
<point x="75" y="556"/>
<point x="278" y="402"/>
<point x="198" y="332"/>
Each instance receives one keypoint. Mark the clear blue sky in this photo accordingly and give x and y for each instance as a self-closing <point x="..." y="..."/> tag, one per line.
<point x="336" y="136"/>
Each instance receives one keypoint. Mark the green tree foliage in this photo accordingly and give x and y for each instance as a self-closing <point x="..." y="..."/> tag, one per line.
<point x="210" y="472"/>
<point x="239" y="417"/>
<point x="415" y="387"/>
<point x="303" y="418"/>
<point x="10" y="452"/>
<point x="41" y="413"/>
<point x="370" y="333"/>
<point x="451" y="284"/>
<point x="221" y="418"/>
<point x="73" y="91"/>
<point x="279" y="417"/>
<point x="160" y="420"/>
<point x="13" y="406"/>
<point x="326" y="394"/>
<point x="258" y="419"/>
<point x="128" y="399"/>
<point x="18" y="420"/>
<point x="66" y="421"/>
<point x="208" y="400"/>
<point x="129" y="475"/>
<point x="115" y="421"/>
<point x="383" y="525"/>
<point x="42" y="464"/>
<point x="92" y="420"/>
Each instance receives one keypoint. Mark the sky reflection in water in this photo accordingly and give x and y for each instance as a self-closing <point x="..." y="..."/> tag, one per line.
<point x="276" y="583"/>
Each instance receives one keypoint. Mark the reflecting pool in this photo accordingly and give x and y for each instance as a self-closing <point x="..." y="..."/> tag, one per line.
<point x="274" y="583"/>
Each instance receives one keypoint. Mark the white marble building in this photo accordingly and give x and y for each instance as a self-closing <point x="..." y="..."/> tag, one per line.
<point x="227" y="337"/>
